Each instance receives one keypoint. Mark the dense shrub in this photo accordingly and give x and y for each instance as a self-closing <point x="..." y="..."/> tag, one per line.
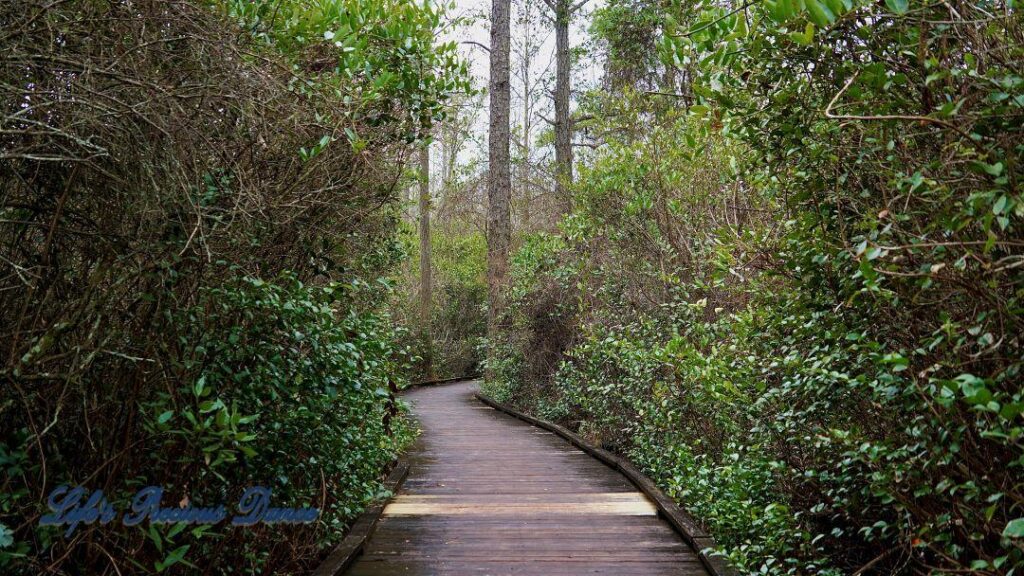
<point x="458" y="307"/>
<point x="794" y="298"/>
<point x="292" y="389"/>
<point x="458" y="319"/>
<point x="161" y="172"/>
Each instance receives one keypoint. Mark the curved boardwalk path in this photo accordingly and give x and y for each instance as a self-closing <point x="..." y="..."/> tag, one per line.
<point x="489" y="494"/>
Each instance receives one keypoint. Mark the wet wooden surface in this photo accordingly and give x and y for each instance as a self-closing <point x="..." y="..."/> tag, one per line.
<point x="488" y="494"/>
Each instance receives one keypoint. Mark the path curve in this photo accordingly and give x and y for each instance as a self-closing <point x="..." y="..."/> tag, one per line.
<point x="488" y="494"/>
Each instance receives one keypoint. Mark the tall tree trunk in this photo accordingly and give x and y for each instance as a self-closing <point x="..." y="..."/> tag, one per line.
<point x="499" y="182"/>
<point x="425" y="266"/>
<point x="449" y="152"/>
<point x="446" y="152"/>
<point x="524" y="176"/>
<point x="563" y="124"/>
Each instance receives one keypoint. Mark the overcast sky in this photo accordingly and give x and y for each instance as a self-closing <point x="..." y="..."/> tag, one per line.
<point x="479" y="32"/>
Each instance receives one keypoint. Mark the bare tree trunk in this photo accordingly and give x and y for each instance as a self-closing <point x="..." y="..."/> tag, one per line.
<point x="525" y="174"/>
<point x="446" y="154"/>
<point x="563" y="127"/>
<point x="499" y="182"/>
<point x="425" y="266"/>
<point x="450" y="135"/>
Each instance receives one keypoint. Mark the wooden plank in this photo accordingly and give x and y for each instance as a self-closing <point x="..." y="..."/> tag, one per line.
<point x="488" y="494"/>
<point x="437" y="382"/>
<point x="545" y="568"/>
<point x="523" y="509"/>
<point x="680" y="520"/>
<point x="531" y="553"/>
<point x="520" y="498"/>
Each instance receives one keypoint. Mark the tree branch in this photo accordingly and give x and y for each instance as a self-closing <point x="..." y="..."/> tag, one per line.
<point x="904" y="117"/>
<point x="478" y="45"/>
<point x="745" y="5"/>
<point x="577" y="6"/>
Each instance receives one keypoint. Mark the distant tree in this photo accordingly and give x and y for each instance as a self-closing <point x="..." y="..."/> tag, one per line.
<point x="425" y="280"/>
<point x="563" y="11"/>
<point x="525" y="52"/>
<point x="499" y="181"/>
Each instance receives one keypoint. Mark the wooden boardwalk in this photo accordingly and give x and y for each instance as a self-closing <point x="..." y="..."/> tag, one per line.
<point x="489" y="494"/>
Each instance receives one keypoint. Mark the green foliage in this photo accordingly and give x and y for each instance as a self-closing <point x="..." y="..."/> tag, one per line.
<point x="903" y="194"/>
<point x="193" y="220"/>
<point x="458" y="317"/>
<point x="373" y="53"/>
<point x="283" y="385"/>
<point x="794" y="298"/>
<point x="629" y="30"/>
<point x="536" y="333"/>
<point x="317" y="404"/>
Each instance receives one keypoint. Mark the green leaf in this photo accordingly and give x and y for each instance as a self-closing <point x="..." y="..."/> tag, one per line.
<point x="898" y="6"/>
<point x="785" y="10"/>
<point x="999" y="206"/>
<point x="898" y="362"/>
<point x="173" y="558"/>
<point x="163" y="418"/>
<point x="974" y="389"/>
<point x="804" y="38"/>
<point x="993" y="169"/>
<point x="836" y="6"/>
<point x="820" y="13"/>
<point x="1014" y="529"/>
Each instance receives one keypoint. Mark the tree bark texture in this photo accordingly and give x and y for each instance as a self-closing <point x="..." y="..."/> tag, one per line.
<point x="563" y="124"/>
<point x="499" y="182"/>
<point x="426" y="285"/>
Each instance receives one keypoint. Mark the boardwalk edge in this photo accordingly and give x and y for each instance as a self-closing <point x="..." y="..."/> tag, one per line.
<point x="346" y="552"/>
<point x="442" y="381"/>
<point x="679" y="519"/>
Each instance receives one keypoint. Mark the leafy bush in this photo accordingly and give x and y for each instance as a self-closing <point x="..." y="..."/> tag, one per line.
<point x="193" y="219"/>
<point x="381" y="54"/>
<point x="793" y="297"/>
<point x="457" y="313"/>
<point x="291" y="381"/>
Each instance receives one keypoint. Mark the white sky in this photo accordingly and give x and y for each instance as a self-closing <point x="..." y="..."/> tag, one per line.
<point x="479" y="31"/>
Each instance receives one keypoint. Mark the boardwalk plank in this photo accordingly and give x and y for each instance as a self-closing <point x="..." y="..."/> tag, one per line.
<point x="489" y="495"/>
